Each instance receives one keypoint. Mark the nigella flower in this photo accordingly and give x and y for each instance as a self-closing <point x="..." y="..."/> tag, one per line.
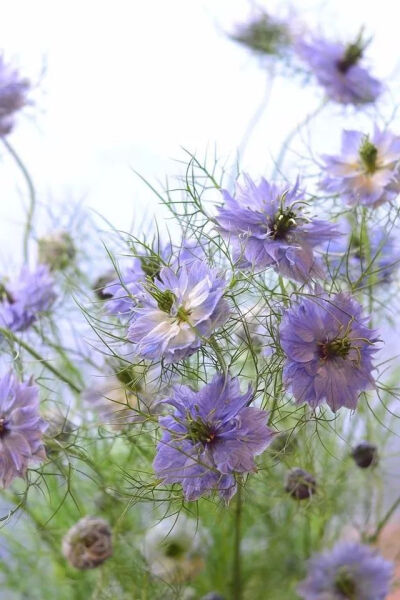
<point x="174" y="549"/>
<point x="337" y="68"/>
<point x="349" y="571"/>
<point x="22" y="300"/>
<point x="177" y="311"/>
<point x="123" y="294"/>
<point x="21" y="428"/>
<point x="329" y="350"/>
<point x="88" y="543"/>
<point x="267" y="228"/>
<point x="367" y="171"/>
<point x="211" y="435"/>
<point x="358" y="257"/>
<point x="13" y="90"/>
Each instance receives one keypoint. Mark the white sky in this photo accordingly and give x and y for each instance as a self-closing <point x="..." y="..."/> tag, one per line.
<point x="128" y="82"/>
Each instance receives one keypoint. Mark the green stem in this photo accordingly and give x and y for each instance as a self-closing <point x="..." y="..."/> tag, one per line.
<point x="237" y="562"/>
<point x="32" y="195"/>
<point x="8" y="334"/>
<point x="382" y="522"/>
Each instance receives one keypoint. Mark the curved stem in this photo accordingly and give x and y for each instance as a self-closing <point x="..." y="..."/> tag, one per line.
<point x="382" y="522"/>
<point x="10" y="335"/>
<point x="237" y="562"/>
<point x="292" y="134"/>
<point x="32" y="195"/>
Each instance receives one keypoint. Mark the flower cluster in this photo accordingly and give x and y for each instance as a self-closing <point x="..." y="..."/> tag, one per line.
<point x="211" y="435"/>
<point x="267" y="228"/>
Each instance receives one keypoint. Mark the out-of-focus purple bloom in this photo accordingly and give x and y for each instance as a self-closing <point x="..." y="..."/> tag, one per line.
<point x="348" y="571"/>
<point x="378" y="257"/>
<point x="329" y="350"/>
<point x="21" y="428"/>
<point x="177" y="311"/>
<point x="123" y="293"/>
<point x="337" y="68"/>
<point x="212" y="434"/>
<point x="367" y="171"/>
<point x="266" y="228"/>
<point x="22" y="300"/>
<point x="13" y="92"/>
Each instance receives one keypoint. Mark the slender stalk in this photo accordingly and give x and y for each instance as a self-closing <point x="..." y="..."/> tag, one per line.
<point x="382" y="522"/>
<point x="38" y="357"/>
<point x="237" y="556"/>
<point x="32" y="194"/>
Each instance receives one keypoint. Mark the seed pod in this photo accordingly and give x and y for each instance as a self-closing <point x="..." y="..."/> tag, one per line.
<point x="365" y="455"/>
<point x="88" y="543"/>
<point x="300" y="484"/>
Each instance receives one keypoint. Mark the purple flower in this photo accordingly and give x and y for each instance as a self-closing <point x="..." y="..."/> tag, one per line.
<point x="337" y="68"/>
<point x="21" y="428"/>
<point x="368" y="170"/>
<point x="177" y="311"/>
<point x="13" y="91"/>
<point x="357" y="259"/>
<point x="125" y="291"/>
<point x="22" y="300"/>
<point x="328" y="349"/>
<point x="266" y="228"/>
<point x="212" y="435"/>
<point x="350" y="570"/>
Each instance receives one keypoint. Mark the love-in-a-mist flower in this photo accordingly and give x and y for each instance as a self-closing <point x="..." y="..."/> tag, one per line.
<point x="368" y="169"/>
<point x="21" y="428"/>
<point x="174" y="549"/>
<point x="350" y="571"/>
<point x="211" y="435"/>
<point x="267" y="227"/>
<point x="329" y="349"/>
<point x="22" y="300"/>
<point x="13" y="92"/>
<point x="338" y="69"/>
<point x="88" y="543"/>
<point x="177" y="311"/>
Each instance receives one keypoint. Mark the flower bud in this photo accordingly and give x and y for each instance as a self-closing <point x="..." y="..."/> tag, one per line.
<point x="88" y="543"/>
<point x="58" y="432"/>
<point x="57" y="251"/>
<point x="365" y="455"/>
<point x="300" y="484"/>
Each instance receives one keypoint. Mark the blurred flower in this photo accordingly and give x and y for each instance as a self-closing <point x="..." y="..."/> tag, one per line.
<point x="368" y="170"/>
<point x="174" y="549"/>
<point x="328" y="349"/>
<point x="350" y="570"/>
<point x="267" y="229"/>
<point x="120" y="403"/>
<point x="264" y="34"/>
<point x="212" y="434"/>
<point x="88" y="543"/>
<point x="57" y="251"/>
<point x="177" y="311"/>
<point x="22" y="300"/>
<point x="13" y="90"/>
<point x="300" y="484"/>
<point x="337" y="68"/>
<point x="365" y="454"/>
<point x="357" y="258"/>
<point x="58" y="432"/>
<point x="21" y="428"/>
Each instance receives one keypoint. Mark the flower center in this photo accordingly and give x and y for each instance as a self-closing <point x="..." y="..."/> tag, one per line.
<point x="200" y="431"/>
<point x="351" y="56"/>
<point x="337" y="347"/>
<point x="368" y="155"/>
<point x="3" y="427"/>
<point x="284" y="221"/>
<point x="345" y="584"/>
<point x="173" y="550"/>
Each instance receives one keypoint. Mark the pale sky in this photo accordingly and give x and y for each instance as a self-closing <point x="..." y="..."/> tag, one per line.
<point x="128" y="83"/>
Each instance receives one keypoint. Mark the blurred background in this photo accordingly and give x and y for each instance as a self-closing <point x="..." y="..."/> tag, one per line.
<point x="128" y="84"/>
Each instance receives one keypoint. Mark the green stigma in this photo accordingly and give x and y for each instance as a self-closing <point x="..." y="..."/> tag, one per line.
<point x="200" y="432"/>
<point x="352" y="54"/>
<point x="173" y="550"/>
<point x="283" y="223"/>
<point x="337" y="347"/>
<point x="369" y="155"/>
<point x="345" y="584"/>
